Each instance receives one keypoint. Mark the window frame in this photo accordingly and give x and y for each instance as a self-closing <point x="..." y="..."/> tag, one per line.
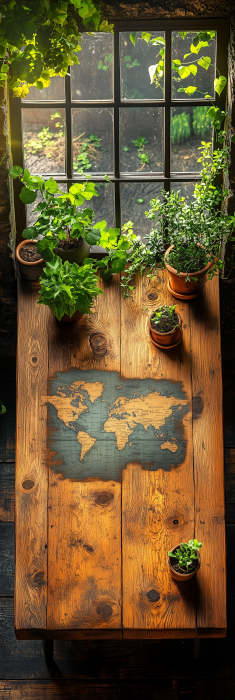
<point x="221" y="26"/>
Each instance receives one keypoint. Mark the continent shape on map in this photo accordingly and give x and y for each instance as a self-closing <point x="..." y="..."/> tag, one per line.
<point x="99" y="424"/>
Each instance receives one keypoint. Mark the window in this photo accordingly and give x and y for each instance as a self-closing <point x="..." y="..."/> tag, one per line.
<point x="106" y="118"/>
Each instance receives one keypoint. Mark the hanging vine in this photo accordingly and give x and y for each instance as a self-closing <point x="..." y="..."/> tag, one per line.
<point x="40" y="39"/>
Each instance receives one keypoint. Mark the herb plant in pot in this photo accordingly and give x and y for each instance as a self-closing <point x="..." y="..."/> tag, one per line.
<point x="165" y="327"/>
<point x="184" y="560"/>
<point x="68" y="289"/>
<point x="117" y="245"/>
<point x="60" y="227"/>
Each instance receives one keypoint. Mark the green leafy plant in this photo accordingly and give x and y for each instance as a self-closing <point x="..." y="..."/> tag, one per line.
<point x="180" y="128"/>
<point x="117" y="245"/>
<point x="85" y="150"/>
<point x="105" y="62"/>
<point x="68" y="288"/>
<point x="58" y="219"/>
<point x="165" y="319"/>
<point x="41" y="39"/>
<point x="186" y="556"/>
<point x="129" y="63"/>
<point x="2" y="408"/>
<point x="48" y="143"/>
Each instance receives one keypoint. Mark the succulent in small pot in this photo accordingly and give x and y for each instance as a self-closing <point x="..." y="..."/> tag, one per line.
<point x="68" y="289"/>
<point x="30" y="262"/>
<point x="184" y="560"/>
<point x="166" y="325"/>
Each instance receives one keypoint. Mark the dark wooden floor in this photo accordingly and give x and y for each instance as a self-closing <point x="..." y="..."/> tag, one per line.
<point x="155" y="670"/>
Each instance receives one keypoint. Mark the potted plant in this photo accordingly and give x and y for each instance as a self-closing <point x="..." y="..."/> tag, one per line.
<point x="68" y="289"/>
<point x="117" y="246"/>
<point x="165" y="326"/>
<point x="60" y="228"/>
<point x="184" y="560"/>
<point x="30" y="262"/>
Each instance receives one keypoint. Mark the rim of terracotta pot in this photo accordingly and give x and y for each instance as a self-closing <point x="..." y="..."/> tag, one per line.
<point x="25" y="262"/>
<point x="188" y="572"/>
<point x="185" y="274"/>
<point x="168" y="332"/>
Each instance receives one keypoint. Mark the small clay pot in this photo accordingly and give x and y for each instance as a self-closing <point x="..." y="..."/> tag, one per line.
<point x="29" y="270"/>
<point x="183" y="577"/>
<point x="66" y="319"/>
<point x="170" y="338"/>
<point x="77" y="255"/>
<point x="177" y="282"/>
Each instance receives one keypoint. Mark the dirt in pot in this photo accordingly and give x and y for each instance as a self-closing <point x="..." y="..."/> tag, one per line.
<point x="70" y="245"/>
<point x="177" y="568"/>
<point x="29" y="253"/>
<point x="164" y="319"/>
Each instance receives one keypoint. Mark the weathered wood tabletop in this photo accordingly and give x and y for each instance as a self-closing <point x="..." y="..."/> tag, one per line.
<point x="119" y="458"/>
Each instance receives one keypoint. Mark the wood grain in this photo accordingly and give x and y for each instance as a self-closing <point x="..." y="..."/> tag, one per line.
<point x="208" y="457"/>
<point x="31" y="467"/>
<point x="84" y="585"/>
<point x="7" y="492"/>
<point x="7" y="559"/>
<point x="153" y="500"/>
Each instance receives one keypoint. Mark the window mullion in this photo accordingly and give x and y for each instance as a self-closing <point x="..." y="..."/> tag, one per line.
<point x="116" y="126"/>
<point x="69" y="170"/>
<point x="167" y="115"/>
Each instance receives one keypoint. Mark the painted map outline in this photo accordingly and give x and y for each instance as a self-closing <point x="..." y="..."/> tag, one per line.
<point x="100" y="422"/>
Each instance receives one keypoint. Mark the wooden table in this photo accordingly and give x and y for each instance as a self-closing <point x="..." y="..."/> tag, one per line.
<point x="119" y="458"/>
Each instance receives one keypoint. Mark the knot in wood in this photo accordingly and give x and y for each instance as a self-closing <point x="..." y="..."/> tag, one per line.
<point x="153" y="595"/>
<point x="104" y="610"/>
<point x="151" y="297"/>
<point x="34" y="359"/>
<point x="198" y="406"/>
<point x="28" y="484"/>
<point x="104" y="498"/>
<point x="39" y="578"/>
<point x="98" y="343"/>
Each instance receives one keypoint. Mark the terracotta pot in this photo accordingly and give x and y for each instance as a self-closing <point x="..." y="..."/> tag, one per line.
<point x="77" y="255"/>
<point x="29" y="270"/>
<point x="66" y="319"/>
<point x="182" y="577"/>
<point x="177" y="282"/>
<point x="170" y="338"/>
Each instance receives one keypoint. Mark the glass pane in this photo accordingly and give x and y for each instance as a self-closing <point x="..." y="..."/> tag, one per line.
<point x="103" y="205"/>
<point x="203" y="79"/>
<point x="186" y="189"/>
<point x="189" y="126"/>
<point x="55" y="91"/>
<point x="135" y="63"/>
<point x="135" y="199"/>
<point x="141" y="140"/>
<point x="31" y="215"/>
<point x="92" y="140"/>
<point x="93" y="78"/>
<point x="44" y="140"/>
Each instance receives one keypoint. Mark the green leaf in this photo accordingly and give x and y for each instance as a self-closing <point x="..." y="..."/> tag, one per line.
<point x="193" y="69"/>
<point x="51" y="186"/>
<point x="140" y="201"/>
<point x="100" y="225"/>
<point x="184" y="72"/>
<point x="146" y="36"/>
<point x="219" y="84"/>
<point x="2" y="408"/>
<point x="27" y="196"/>
<point x="205" y="62"/>
<point x="15" y="171"/>
<point x="190" y="90"/>
<point x="92" y="238"/>
<point x="183" y="34"/>
<point x="30" y="232"/>
<point x="4" y="68"/>
<point x="133" y="37"/>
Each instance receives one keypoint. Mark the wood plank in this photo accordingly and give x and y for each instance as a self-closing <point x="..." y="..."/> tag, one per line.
<point x="158" y="505"/>
<point x="7" y="423"/>
<point x="84" y="589"/>
<point x="25" y="660"/>
<point x="230" y="484"/>
<point x="7" y="492"/>
<point x="6" y="558"/>
<point x="228" y="373"/>
<point x="31" y="466"/>
<point x="208" y="457"/>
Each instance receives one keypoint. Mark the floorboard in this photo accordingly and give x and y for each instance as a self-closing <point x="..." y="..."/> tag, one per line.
<point x="7" y="492"/>
<point x="6" y="559"/>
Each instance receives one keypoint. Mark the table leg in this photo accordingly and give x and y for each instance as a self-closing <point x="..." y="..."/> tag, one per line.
<point x="51" y="665"/>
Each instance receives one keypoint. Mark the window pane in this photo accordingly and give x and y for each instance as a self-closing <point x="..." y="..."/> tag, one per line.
<point x="135" y="63"/>
<point x="93" y="78"/>
<point x="189" y="126"/>
<point x="186" y="189"/>
<point x="92" y="140"/>
<point x="141" y="140"/>
<point x="135" y="199"/>
<point x="31" y="215"/>
<point x="55" y="91"/>
<point x="204" y="78"/>
<point x="103" y="205"/>
<point x="44" y="140"/>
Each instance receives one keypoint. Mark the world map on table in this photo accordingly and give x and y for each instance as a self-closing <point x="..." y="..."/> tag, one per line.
<point x="100" y="422"/>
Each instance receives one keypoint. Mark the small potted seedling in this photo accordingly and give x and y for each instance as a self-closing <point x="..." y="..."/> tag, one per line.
<point x="165" y="326"/>
<point x="184" y="560"/>
<point x="30" y="262"/>
<point x="68" y="289"/>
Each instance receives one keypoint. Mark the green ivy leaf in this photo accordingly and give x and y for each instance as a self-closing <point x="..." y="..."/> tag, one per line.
<point x="16" y="171"/>
<point x="219" y="84"/>
<point x="133" y="37"/>
<point x="146" y="36"/>
<point x="205" y="62"/>
<point x="27" y="196"/>
<point x="2" y="408"/>
<point x="190" y="90"/>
